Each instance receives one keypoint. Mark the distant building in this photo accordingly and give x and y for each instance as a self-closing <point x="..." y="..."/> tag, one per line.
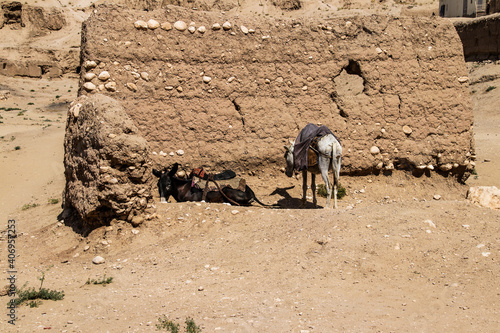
<point x="468" y="8"/>
<point x="461" y="8"/>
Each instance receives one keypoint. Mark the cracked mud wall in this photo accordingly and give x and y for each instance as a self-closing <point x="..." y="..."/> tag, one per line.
<point x="232" y="98"/>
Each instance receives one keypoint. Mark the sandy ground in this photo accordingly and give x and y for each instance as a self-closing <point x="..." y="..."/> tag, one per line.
<point x="390" y="259"/>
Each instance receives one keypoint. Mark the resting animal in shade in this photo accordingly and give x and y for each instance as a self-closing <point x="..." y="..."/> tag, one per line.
<point x="183" y="190"/>
<point x="316" y="150"/>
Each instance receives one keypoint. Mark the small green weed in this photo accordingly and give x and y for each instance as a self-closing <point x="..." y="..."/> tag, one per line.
<point x="171" y="326"/>
<point x="35" y="296"/>
<point x="53" y="201"/>
<point x="9" y="109"/>
<point x="321" y="190"/>
<point x="34" y="304"/>
<point x="490" y="88"/>
<point x="165" y="324"/>
<point x="191" y="326"/>
<point x="17" y="147"/>
<point x="103" y="281"/>
<point x="28" y="206"/>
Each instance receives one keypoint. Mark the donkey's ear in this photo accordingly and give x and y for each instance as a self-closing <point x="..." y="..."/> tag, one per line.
<point x="174" y="169"/>
<point x="157" y="173"/>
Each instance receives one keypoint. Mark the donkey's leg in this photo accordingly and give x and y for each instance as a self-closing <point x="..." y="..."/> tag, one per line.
<point x="313" y="189"/>
<point x="323" y="166"/>
<point x="304" y="186"/>
<point x="335" y="191"/>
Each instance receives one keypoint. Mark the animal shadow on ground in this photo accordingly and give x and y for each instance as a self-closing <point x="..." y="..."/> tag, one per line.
<point x="288" y="202"/>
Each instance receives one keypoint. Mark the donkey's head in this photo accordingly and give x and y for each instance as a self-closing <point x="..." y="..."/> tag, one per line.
<point x="165" y="186"/>
<point x="289" y="159"/>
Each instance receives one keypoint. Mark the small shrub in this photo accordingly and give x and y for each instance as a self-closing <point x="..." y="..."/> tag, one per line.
<point x="171" y="326"/>
<point x="53" y="201"/>
<point x="103" y="281"/>
<point x="490" y="88"/>
<point x="34" y="296"/>
<point x="17" y="147"/>
<point x="321" y="190"/>
<point x="165" y="324"/>
<point x="34" y="304"/>
<point x="9" y="109"/>
<point x="28" y="206"/>
<point x="191" y="326"/>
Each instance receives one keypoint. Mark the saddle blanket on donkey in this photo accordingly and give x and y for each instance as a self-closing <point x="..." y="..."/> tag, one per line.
<point x="303" y="156"/>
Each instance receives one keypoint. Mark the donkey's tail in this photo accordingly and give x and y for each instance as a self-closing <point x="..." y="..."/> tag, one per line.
<point x="254" y="198"/>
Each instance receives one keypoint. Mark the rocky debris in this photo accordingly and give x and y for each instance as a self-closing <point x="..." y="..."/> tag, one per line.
<point x="485" y="196"/>
<point x="140" y="24"/>
<point x="180" y="25"/>
<point x="89" y="76"/>
<point x="103" y="76"/>
<point x="4" y="95"/>
<point x="89" y="64"/>
<point x="110" y="86"/>
<point x="98" y="260"/>
<point x="152" y="24"/>
<point x="89" y="86"/>
<point x="166" y="26"/>
<point x="407" y="130"/>
<point x="108" y="173"/>
<point x="374" y="150"/>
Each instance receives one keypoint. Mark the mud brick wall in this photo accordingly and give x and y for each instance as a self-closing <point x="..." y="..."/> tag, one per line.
<point x="393" y="89"/>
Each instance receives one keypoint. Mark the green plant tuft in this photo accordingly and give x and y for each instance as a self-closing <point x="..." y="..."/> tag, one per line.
<point x="490" y="88"/>
<point x="191" y="326"/>
<point x="321" y="190"/>
<point x="165" y="324"/>
<point x="28" y="206"/>
<point x="103" y="281"/>
<point x="171" y="326"/>
<point x="34" y="296"/>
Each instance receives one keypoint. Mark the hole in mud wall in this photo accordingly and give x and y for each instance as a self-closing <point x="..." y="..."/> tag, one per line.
<point x="350" y="82"/>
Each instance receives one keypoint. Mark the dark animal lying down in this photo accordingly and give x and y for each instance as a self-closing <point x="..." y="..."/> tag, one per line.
<point x="183" y="190"/>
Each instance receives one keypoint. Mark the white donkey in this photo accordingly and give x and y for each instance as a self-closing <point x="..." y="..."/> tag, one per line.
<point x="329" y="155"/>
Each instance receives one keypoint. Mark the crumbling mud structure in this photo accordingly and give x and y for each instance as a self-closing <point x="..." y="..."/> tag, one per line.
<point x="107" y="165"/>
<point x="210" y="89"/>
<point x="480" y="37"/>
<point x="37" y="26"/>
